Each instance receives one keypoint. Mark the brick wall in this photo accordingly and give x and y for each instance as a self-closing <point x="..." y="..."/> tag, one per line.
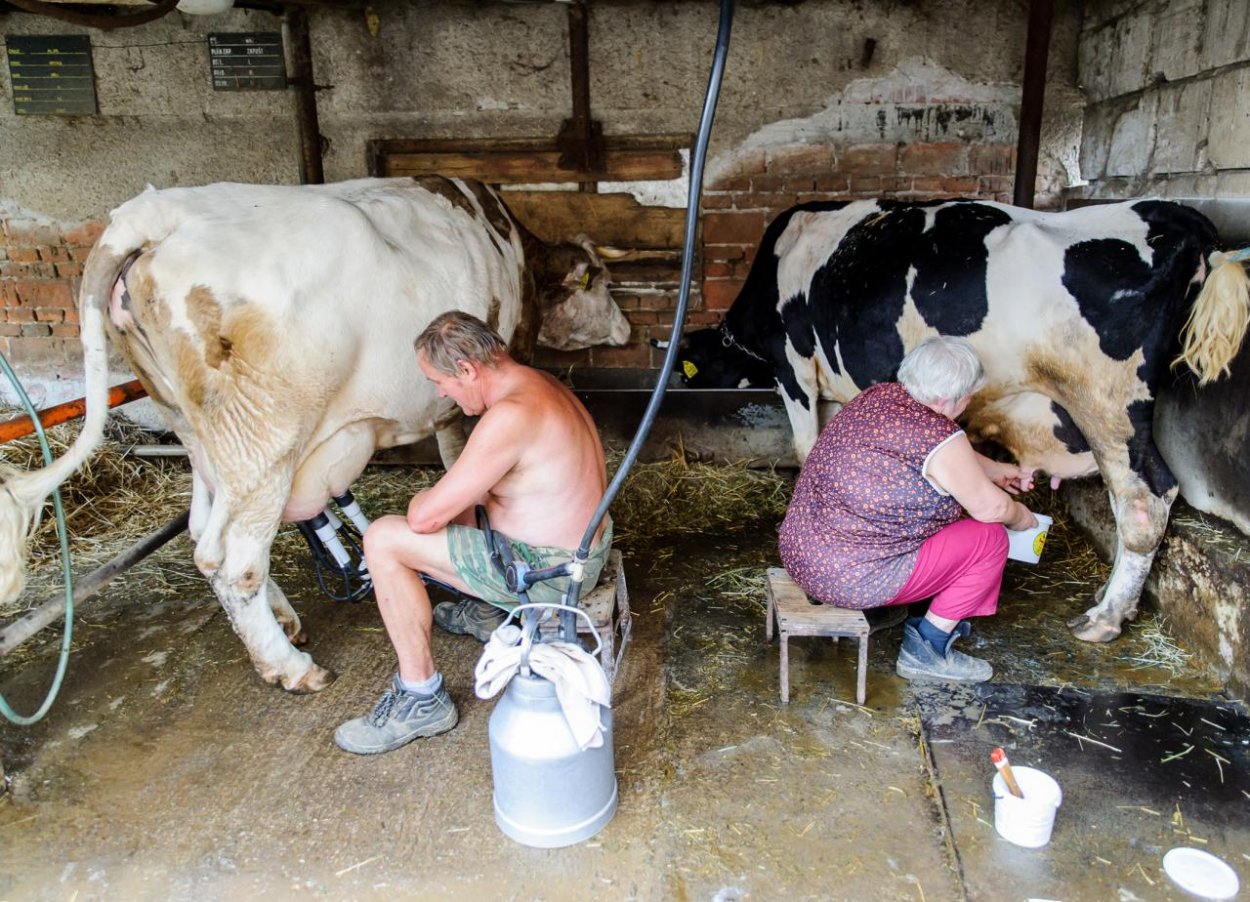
<point x="40" y="269"/>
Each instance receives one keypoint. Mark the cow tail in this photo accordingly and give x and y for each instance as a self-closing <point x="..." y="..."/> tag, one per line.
<point x="1217" y="323"/>
<point x="22" y="494"/>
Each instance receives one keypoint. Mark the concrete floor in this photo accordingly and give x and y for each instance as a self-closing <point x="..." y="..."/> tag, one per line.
<point x="167" y="770"/>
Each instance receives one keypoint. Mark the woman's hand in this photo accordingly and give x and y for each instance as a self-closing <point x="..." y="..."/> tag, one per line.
<point x="981" y="485"/>
<point x="1010" y="478"/>
<point x="1023" y="519"/>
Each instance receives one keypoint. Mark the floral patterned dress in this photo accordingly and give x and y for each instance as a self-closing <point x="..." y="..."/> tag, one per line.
<point x="862" y="505"/>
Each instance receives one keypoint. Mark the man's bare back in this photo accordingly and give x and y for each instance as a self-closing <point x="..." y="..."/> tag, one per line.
<point x="534" y="457"/>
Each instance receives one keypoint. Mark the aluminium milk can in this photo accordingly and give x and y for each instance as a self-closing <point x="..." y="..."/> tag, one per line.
<point x="549" y="792"/>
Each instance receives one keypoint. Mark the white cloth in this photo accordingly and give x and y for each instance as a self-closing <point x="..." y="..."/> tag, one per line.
<point x="581" y="686"/>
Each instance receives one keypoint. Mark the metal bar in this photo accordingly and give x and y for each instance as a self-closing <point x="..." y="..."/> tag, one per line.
<point x="70" y="410"/>
<point x="1037" y="47"/>
<point x="53" y="609"/>
<point x="300" y="77"/>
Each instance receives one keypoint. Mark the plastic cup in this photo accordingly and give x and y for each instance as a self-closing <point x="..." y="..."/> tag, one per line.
<point x="1027" y="544"/>
<point x="1028" y="821"/>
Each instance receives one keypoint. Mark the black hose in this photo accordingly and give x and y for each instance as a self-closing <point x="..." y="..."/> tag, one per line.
<point x="679" y="316"/>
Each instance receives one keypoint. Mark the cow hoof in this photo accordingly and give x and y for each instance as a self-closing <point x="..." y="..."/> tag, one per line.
<point x="314" y="679"/>
<point x="1089" y="629"/>
<point x="297" y="638"/>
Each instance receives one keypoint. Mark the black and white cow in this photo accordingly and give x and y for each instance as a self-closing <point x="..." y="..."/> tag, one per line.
<point x="1077" y="317"/>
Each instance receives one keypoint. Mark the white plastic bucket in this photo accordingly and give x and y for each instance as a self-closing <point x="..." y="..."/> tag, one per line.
<point x="1027" y="544"/>
<point x="1028" y="821"/>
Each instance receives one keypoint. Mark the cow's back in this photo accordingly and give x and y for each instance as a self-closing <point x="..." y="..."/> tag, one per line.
<point x="325" y="285"/>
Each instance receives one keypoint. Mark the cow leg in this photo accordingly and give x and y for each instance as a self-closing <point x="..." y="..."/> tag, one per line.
<point x="233" y="553"/>
<point x="201" y="504"/>
<point x="801" y="407"/>
<point x="451" y="440"/>
<point x="1141" y="518"/>
<point x="285" y="614"/>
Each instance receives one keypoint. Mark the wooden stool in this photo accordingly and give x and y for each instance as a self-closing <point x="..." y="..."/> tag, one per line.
<point x="608" y="606"/>
<point x="797" y="616"/>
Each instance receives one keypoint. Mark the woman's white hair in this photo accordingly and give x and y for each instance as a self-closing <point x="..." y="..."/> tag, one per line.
<point x="941" y="369"/>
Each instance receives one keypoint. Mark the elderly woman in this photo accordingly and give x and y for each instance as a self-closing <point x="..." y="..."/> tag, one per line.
<point x="893" y="505"/>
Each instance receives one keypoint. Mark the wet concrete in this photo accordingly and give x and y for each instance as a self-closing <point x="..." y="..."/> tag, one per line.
<point x="167" y="770"/>
<point x="1140" y="774"/>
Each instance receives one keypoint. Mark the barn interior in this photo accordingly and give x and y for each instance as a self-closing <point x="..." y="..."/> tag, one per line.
<point x="166" y="768"/>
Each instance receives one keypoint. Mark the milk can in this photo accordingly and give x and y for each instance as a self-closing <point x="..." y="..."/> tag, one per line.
<point x="549" y="792"/>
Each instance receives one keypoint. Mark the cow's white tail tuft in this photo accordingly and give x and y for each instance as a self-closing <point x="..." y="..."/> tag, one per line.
<point x="22" y="494"/>
<point x="1218" y="322"/>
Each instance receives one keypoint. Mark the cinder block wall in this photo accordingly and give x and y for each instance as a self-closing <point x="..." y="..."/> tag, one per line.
<point x="1167" y="84"/>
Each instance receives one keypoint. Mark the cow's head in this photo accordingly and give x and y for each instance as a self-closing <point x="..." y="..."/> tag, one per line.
<point x="708" y="358"/>
<point x="576" y="308"/>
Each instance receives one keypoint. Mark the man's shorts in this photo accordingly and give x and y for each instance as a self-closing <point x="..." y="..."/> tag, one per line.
<point x="471" y="558"/>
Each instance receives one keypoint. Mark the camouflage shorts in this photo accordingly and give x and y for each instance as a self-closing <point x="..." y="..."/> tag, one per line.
<point x="471" y="558"/>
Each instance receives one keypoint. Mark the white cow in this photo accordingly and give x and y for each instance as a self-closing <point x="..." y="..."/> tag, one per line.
<point x="273" y="327"/>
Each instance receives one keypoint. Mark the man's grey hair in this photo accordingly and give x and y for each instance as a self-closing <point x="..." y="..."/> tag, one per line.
<point x="941" y="369"/>
<point x="455" y="336"/>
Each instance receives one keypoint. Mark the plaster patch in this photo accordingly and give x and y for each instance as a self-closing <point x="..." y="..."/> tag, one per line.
<point x="918" y="101"/>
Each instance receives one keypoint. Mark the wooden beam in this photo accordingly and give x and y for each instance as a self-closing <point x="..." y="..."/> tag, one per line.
<point x="515" y="161"/>
<point x="614" y="219"/>
<point x="536" y="167"/>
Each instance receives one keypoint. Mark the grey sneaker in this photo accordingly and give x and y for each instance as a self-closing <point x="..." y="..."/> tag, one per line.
<point x="471" y="617"/>
<point x="918" y="660"/>
<point x="398" y="718"/>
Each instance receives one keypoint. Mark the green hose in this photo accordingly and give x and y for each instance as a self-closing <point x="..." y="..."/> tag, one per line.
<point x="63" y="663"/>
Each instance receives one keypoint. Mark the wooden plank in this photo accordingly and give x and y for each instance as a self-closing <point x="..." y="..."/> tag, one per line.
<point x="502" y="145"/>
<point x="514" y="167"/>
<point x="613" y="219"/>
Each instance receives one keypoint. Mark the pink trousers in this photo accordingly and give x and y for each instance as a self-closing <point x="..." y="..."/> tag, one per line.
<point x="961" y="569"/>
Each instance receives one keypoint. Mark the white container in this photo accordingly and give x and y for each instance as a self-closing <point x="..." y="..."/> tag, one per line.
<point x="1027" y="544"/>
<point x="1028" y="821"/>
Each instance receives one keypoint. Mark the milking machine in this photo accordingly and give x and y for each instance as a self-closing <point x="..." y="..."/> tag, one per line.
<point x="337" y="548"/>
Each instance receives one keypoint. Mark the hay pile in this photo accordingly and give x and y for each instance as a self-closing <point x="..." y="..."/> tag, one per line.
<point x="111" y="502"/>
<point x="680" y="496"/>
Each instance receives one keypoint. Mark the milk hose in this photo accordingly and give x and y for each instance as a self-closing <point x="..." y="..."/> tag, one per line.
<point x="8" y="712"/>
<point x="679" y="315"/>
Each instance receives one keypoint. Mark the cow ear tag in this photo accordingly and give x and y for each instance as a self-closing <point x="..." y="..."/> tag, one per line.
<point x="584" y="281"/>
<point x="689" y="369"/>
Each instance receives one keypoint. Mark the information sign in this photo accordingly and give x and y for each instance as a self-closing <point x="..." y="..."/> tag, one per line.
<point x="51" y="75"/>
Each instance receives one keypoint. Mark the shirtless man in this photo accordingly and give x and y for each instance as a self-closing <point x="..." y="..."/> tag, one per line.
<point x="535" y="461"/>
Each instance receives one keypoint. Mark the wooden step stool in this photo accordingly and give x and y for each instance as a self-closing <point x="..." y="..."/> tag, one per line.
<point x="797" y="616"/>
<point x="607" y="604"/>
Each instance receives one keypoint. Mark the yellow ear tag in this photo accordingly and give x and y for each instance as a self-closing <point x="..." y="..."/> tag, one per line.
<point x="689" y="369"/>
<point x="585" y="281"/>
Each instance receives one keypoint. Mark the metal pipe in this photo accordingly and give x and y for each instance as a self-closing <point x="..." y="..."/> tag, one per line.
<point x="298" y="47"/>
<point x="1037" y="48"/>
<point x="53" y="609"/>
<point x="70" y="410"/>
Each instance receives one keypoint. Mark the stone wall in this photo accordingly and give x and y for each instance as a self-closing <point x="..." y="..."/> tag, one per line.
<point x="1166" y="83"/>
<point x="821" y="99"/>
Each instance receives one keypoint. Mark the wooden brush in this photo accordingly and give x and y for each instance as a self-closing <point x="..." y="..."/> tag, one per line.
<point x="999" y="757"/>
